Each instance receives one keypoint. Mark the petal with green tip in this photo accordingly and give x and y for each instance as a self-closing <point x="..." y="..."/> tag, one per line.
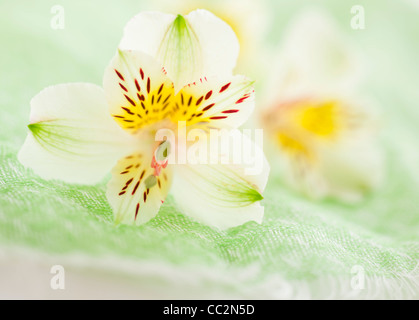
<point x="189" y="47"/>
<point x="72" y="136"/>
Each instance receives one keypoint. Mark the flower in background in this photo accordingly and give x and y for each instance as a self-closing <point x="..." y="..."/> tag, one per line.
<point x="79" y="132"/>
<point x="248" y="19"/>
<point x="324" y="132"/>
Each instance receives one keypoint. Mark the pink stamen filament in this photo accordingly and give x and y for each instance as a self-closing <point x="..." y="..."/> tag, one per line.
<point x="158" y="165"/>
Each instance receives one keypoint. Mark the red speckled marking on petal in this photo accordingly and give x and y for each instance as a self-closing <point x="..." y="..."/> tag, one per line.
<point x="208" y="107"/>
<point x="137" y="85"/>
<point x="142" y="175"/>
<point x="225" y="87"/>
<point x="161" y="88"/>
<point x="231" y="111"/>
<point x="167" y="98"/>
<point x="136" y="211"/>
<point x="119" y="75"/>
<point x="135" y="187"/>
<point x="242" y="99"/>
<point x="217" y="118"/>
<point x="130" y="100"/>
<point x="198" y="102"/>
<point x="127" y="110"/>
<point x="123" y="87"/>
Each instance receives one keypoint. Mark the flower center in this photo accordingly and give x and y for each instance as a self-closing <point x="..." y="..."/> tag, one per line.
<point x="298" y="125"/>
<point x="291" y="144"/>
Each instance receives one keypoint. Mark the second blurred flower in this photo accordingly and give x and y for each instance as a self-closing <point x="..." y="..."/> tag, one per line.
<point x="323" y="133"/>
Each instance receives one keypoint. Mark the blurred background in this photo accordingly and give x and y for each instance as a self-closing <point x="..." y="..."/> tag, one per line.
<point x="310" y="242"/>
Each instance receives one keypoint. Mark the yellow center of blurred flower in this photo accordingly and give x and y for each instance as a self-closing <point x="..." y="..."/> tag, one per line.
<point x="291" y="144"/>
<point x="320" y="118"/>
<point x="299" y="125"/>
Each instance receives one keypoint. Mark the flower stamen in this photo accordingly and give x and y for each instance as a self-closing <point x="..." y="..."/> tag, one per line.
<point x="160" y="158"/>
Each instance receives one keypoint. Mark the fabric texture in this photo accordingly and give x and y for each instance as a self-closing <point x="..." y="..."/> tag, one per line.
<point x="303" y="249"/>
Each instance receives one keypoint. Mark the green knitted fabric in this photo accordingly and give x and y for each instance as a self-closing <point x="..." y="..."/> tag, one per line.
<point x="300" y="241"/>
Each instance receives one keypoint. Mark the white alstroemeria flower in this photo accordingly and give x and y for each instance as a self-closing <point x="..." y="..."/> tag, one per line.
<point x="325" y="134"/>
<point x="79" y="132"/>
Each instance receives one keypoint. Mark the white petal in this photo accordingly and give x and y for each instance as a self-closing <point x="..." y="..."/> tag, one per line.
<point x="73" y="137"/>
<point x="351" y="169"/>
<point x="250" y="31"/>
<point x="133" y="192"/>
<point x="346" y="170"/>
<point x="215" y="102"/>
<point x="146" y="31"/>
<point x="219" y="44"/>
<point x="190" y="47"/>
<point x="198" y="206"/>
<point x="223" y="194"/>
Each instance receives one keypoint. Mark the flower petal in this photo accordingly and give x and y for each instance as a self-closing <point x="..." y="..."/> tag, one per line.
<point x="227" y="193"/>
<point x="134" y="193"/>
<point x="146" y="31"/>
<point x="219" y="44"/>
<point x="72" y="137"/>
<point x="137" y="89"/>
<point x="190" y="47"/>
<point x="215" y="102"/>
<point x="319" y="55"/>
<point x="351" y="169"/>
<point x="346" y="172"/>
<point x="250" y="31"/>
